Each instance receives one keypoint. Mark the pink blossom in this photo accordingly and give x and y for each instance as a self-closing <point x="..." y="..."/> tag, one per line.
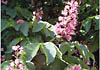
<point x="4" y="2"/>
<point x="67" y="7"/>
<point x="15" y="47"/>
<point x="21" y="52"/>
<point x="58" y="30"/>
<point x="38" y="14"/>
<point x="64" y="13"/>
<point x="72" y="68"/>
<point x="67" y="22"/>
<point x="16" y="64"/>
<point x="10" y="68"/>
<point x="12" y="64"/>
<point x="68" y="37"/>
<point x="21" y="48"/>
<point x="60" y="18"/>
<point x="20" y="21"/>
<point x="17" y="61"/>
<point x="78" y="67"/>
<point x="21" y="66"/>
<point x="76" y="3"/>
<point x="57" y="25"/>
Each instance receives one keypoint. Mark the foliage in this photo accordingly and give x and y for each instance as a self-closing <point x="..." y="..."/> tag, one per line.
<point x="43" y="50"/>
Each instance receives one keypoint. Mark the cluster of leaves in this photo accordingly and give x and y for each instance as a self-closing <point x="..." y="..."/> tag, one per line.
<point x="42" y="50"/>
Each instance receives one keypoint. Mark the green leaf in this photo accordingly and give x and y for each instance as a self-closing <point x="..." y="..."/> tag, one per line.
<point x="40" y="62"/>
<point x="50" y="52"/>
<point x="11" y="12"/>
<point x="75" y="60"/>
<point x="48" y="32"/>
<point x="93" y="68"/>
<point x="17" y="26"/>
<point x="6" y="24"/>
<point x="3" y="8"/>
<point x="35" y="39"/>
<point x="53" y="2"/>
<point x="64" y="47"/>
<point x="58" y="53"/>
<point x="4" y="65"/>
<point x="13" y="43"/>
<point x="82" y="49"/>
<point x="97" y="18"/>
<point x="24" y="28"/>
<point x="38" y="26"/>
<point x="94" y="45"/>
<point x="31" y="50"/>
<point x="57" y="65"/>
<point x="87" y="24"/>
<point x="90" y="55"/>
<point x="26" y="13"/>
<point x="30" y="65"/>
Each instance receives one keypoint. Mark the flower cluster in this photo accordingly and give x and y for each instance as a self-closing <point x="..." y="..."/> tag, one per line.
<point x="17" y="63"/>
<point x="77" y="67"/>
<point x="67" y="23"/>
<point x="18" y="50"/>
<point x="38" y="14"/>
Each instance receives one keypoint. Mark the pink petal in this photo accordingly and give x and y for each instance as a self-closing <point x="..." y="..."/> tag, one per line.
<point x="20" y="21"/>
<point x="68" y="37"/>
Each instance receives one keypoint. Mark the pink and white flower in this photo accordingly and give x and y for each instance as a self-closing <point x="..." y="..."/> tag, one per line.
<point x="78" y="67"/>
<point x="68" y="20"/>
<point x="15" y="47"/>
<point x="17" y="61"/>
<point x="21" y="66"/>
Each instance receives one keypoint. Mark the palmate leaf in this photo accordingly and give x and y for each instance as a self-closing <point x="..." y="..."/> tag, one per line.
<point x="49" y="50"/>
